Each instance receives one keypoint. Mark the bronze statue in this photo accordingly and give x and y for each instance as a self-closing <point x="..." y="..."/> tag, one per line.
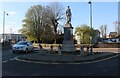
<point x="68" y="15"/>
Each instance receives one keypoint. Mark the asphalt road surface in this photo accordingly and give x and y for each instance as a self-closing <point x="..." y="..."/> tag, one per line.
<point x="11" y="67"/>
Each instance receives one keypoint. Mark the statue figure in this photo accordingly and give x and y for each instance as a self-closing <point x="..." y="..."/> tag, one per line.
<point x="68" y="15"/>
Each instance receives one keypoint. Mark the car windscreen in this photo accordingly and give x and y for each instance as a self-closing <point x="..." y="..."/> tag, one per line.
<point x="21" y="43"/>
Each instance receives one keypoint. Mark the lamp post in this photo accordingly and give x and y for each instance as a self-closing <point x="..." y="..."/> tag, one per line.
<point x="4" y="27"/>
<point x="91" y="26"/>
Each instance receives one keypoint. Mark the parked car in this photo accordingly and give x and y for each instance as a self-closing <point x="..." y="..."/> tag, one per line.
<point x="22" y="46"/>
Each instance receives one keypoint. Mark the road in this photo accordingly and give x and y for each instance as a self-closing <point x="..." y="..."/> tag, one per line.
<point x="11" y="67"/>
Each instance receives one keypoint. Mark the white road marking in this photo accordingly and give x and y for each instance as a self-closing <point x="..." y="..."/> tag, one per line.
<point x="8" y="60"/>
<point x="11" y="59"/>
<point x="5" y="61"/>
<point x="65" y="63"/>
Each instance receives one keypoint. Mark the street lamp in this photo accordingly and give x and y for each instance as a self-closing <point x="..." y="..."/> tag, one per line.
<point x="4" y="13"/>
<point x="91" y="26"/>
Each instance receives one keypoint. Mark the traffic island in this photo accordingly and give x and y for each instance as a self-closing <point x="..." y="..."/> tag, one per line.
<point x="64" y="59"/>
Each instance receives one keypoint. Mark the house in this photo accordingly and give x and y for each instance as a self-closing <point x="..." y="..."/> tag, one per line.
<point x="117" y="36"/>
<point x="112" y="34"/>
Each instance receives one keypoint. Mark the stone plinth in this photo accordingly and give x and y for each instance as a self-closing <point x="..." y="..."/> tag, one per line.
<point x="68" y="46"/>
<point x="68" y="43"/>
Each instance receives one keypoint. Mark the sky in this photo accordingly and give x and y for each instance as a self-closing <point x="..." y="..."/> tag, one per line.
<point x="104" y="13"/>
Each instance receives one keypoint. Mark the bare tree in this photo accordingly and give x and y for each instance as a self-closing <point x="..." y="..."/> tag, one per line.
<point x="117" y="27"/>
<point x="103" y="30"/>
<point x="56" y="13"/>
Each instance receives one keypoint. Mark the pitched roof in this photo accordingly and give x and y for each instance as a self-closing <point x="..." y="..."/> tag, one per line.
<point x="117" y="36"/>
<point x="113" y="33"/>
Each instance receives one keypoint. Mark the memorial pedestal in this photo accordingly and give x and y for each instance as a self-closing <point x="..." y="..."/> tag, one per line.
<point x="68" y="43"/>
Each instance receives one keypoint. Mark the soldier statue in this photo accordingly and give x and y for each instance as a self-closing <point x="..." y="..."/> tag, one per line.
<point x="68" y="15"/>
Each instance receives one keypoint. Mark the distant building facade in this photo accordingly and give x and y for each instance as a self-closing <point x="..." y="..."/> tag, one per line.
<point x="113" y="37"/>
<point x="110" y="40"/>
<point x="118" y="36"/>
<point x="12" y="37"/>
<point x="112" y="34"/>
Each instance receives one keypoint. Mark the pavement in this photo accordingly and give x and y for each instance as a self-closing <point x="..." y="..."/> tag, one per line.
<point x="44" y="56"/>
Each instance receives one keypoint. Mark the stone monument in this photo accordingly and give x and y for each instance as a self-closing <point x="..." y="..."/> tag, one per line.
<point x="68" y="43"/>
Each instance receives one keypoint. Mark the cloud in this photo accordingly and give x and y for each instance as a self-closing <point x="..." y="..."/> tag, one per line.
<point x="12" y="13"/>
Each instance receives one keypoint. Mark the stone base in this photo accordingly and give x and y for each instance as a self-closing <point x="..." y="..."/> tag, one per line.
<point x="68" y="46"/>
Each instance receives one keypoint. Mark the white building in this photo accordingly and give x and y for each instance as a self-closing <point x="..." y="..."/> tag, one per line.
<point x="77" y="38"/>
<point x="12" y="37"/>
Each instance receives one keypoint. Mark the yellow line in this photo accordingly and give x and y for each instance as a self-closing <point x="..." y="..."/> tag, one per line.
<point x="67" y="63"/>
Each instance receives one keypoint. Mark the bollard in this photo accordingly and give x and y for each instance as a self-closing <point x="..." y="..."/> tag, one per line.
<point x="40" y="47"/>
<point x="91" y="50"/>
<point x="59" y="50"/>
<point x="81" y="50"/>
<point x="51" y="47"/>
<point x="87" y="50"/>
